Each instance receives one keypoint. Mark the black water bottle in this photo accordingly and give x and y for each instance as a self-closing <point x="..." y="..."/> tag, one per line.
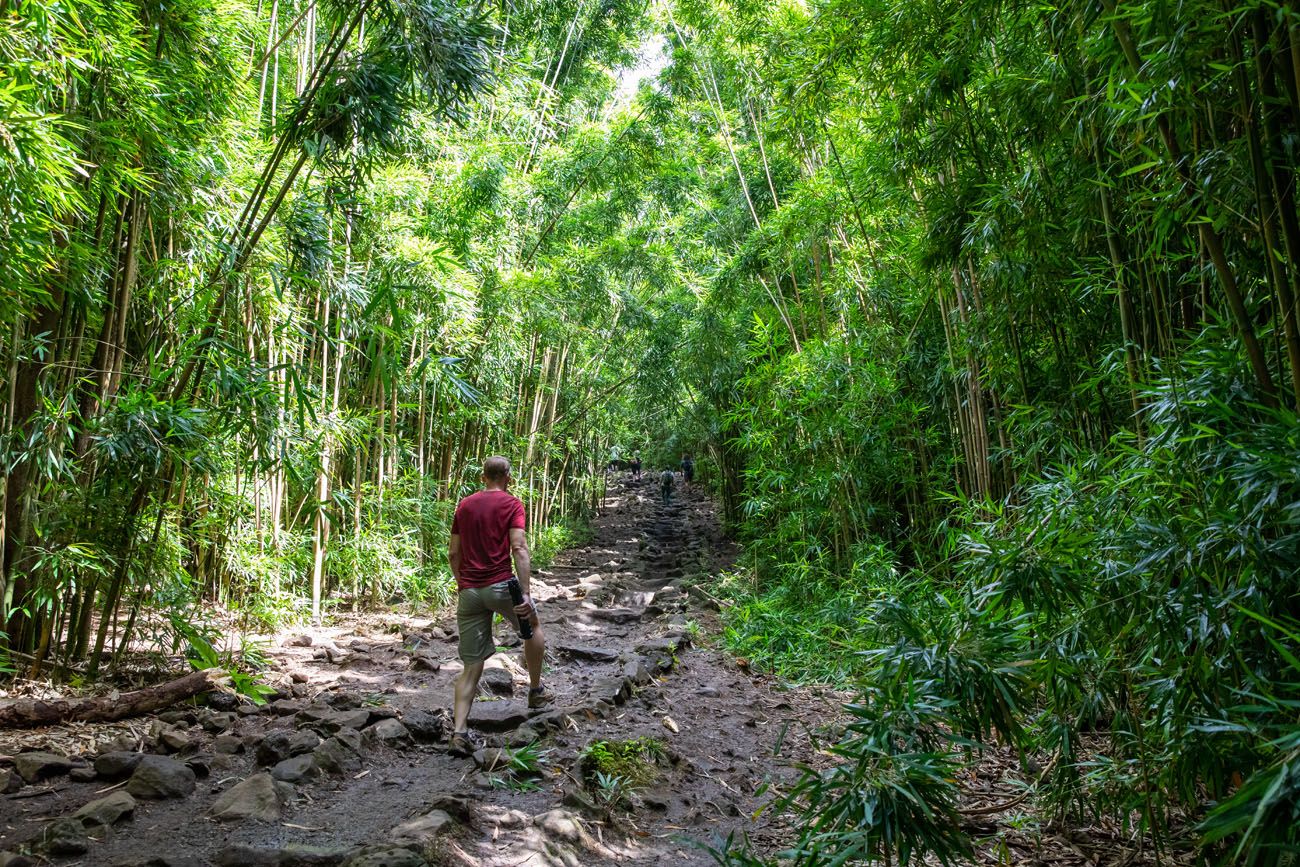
<point x="517" y="597"/>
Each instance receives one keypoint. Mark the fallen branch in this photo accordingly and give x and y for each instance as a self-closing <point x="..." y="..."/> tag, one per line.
<point x="32" y="712"/>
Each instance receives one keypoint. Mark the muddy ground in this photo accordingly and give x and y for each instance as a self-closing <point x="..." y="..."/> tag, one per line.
<point x="348" y="765"/>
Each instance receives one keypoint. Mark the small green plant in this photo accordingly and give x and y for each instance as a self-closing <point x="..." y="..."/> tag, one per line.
<point x="519" y="769"/>
<point x="609" y="791"/>
<point x="613" y="770"/>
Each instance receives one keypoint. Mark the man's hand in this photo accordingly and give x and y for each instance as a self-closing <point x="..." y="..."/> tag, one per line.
<point x="526" y="610"/>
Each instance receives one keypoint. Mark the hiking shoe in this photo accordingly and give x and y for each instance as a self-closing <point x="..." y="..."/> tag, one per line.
<point x="539" y="697"/>
<point x="460" y="744"/>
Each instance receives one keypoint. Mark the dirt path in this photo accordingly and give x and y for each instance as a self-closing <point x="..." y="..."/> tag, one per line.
<point x="358" y="736"/>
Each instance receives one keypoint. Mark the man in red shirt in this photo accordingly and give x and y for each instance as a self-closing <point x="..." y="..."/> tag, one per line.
<point x="486" y="534"/>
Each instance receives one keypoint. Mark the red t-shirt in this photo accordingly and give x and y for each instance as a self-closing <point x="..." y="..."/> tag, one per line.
<point x="484" y="521"/>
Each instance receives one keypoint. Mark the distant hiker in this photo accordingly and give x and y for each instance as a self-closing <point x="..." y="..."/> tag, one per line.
<point x="688" y="469"/>
<point x="666" y="482"/>
<point x="486" y="534"/>
<point x="636" y="468"/>
<point x="615" y="458"/>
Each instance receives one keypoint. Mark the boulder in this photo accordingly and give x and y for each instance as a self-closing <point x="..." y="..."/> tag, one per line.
<point x="491" y="759"/>
<point x="336" y="756"/>
<point x="612" y="689"/>
<point x="425" y="662"/>
<point x="10" y="781"/>
<point x="117" y="765"/>
<point x="65" y="836"/>
<point x="497" y="681"/>
<point x="297" y="769"/>
<point x="157" y="777"/>
<point x="82" y="774"/>
<point x="255" y="798"/>
<point x="303" y="742"/>
<point x="387" y="731"/>
<point x="425" y="726"/>
<point x="274" y="748"/>
<point x="174" y="740"/>
<point x="36" y="766"/>
<point x="228" y="745"/>
<point x="215" y="723"/>
<point x="498" y="716"/>
<point x="386" y="856"/>
<point x="589" y="652"/>
<point x="106" y="811"/>
<point x="422" y="831"/>
<point x="637" y="671"/>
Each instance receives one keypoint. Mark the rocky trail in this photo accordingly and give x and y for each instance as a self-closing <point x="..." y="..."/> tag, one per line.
<point x="657" y="741"/>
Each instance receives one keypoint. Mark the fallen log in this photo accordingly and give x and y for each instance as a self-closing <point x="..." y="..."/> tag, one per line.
<point x="32" y="712"/>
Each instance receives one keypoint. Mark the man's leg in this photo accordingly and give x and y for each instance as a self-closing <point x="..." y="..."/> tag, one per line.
<point x="534" y="652"/>
<point x="466" y="686"/>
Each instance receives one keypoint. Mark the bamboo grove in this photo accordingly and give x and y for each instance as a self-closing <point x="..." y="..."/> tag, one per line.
<point x="980" y="316"/>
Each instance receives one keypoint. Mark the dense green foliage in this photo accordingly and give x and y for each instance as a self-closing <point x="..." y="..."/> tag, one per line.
<point x="980" y="318"/>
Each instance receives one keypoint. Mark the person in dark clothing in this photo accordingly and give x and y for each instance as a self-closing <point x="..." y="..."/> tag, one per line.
<point x="666" y="482"/>
<point x="636" y="468"/>
<point x="688" y="469"/>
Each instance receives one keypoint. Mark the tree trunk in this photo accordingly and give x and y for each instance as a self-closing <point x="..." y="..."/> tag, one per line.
<point x="32" y="712"/>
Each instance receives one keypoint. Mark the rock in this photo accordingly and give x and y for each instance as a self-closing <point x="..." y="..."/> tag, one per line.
<point x="10" y="782"/>
<point x="36" y="766"/>
<point x="386" y="856"/>
<point x="427" y="727"/>
<point x="300" y="855"/>
<point x="425" y="662"/>
<point x="200" y="764"/>
<point x="64" y="836"/>
<point x="335" y="756"/>
<point x="296" y="769"/>
<point x="228" y="745"/>
<point x="613" y="689"/>
<point x="222" y="701"/>
<point x="614" y="615"/>
<point x="709" y="692"/>
<point x="245" y="855"/>
<point x="174" y="740"/>
<point x="172" y="717"/>
<point x="491" y="759"/>
<point x="255" y="798"/>
<point x="274" y="748"/>
<point x="330" y="721"/>
<point x="498" y="716"/>
<point x="157" y="777"/>
<point x="303" y="742"/>
<point x="637" y="671"/>
<point x="13" y="859"/>
<point x="287" y="707"/>
<point x="669" y="644"/>
<point x="297" y="641"/>
<point x="82" y="774"/>
<point x="522" y="736"/>
<point x="292" y="855"/>
<point x="588" y="652"/>
<point x="563" y="825"/>
<point x="424" y="830"/>
<point x="387" y="731"/>
<point x="215" y="723"/>
<point x="350" y="738"/>
<point x="497" y="681"/>
<point x="107" y="810"/>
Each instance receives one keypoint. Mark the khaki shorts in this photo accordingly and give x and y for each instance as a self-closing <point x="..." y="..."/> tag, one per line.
<point x="475" y="607"/>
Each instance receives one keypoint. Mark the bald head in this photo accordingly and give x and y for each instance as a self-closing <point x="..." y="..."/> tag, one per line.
<point x="496" y="470"/>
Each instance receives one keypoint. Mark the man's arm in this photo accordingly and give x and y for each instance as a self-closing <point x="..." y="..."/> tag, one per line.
<point x="523" y="565"/>
<point x="453" y="557"/>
